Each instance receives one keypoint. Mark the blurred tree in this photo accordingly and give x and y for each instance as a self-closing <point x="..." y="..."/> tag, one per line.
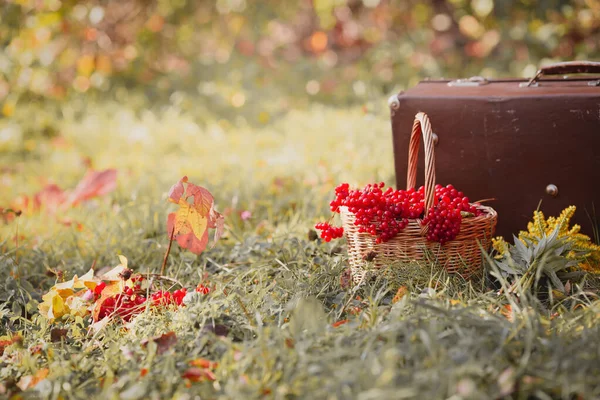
<point x="51" y="49"/>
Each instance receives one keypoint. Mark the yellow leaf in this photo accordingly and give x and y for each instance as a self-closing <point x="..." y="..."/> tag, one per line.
<point x="77" y="306"/>
<point x="86" y="281"/>
<point x="188" y="217"/>
<point x="114" y="274"/>
<point x="58" y="307"/>
<point x="123" y="260"/>
<point x="64" y="298"/>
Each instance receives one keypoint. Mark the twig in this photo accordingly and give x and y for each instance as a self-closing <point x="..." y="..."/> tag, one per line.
<point x="164" y="264"/>
<point x="166" y="278"/>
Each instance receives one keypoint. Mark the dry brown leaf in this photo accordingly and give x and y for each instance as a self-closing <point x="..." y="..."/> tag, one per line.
<point x="163" y="342"/>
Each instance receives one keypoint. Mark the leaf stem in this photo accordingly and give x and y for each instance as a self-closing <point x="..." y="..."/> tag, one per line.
<point x="164" y="264"/>
<point x="17" y="242"/>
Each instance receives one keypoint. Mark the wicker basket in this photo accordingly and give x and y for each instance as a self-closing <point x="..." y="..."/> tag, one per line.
<point x="461" y="255"/>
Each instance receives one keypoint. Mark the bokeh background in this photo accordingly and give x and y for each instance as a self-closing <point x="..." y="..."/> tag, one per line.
<point x="251" y="59"/>
<point x="246" y="91"/>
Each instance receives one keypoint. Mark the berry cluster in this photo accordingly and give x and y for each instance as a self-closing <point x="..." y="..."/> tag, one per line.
<point x="329" y="232"/>
<point x="164" y="298"/>
<point x="385" y="213"/>
<point x="131" y="301"/>
<point x="445" y="216"/>
<point x="126" y="304"/>
<point x="202" y="289"/>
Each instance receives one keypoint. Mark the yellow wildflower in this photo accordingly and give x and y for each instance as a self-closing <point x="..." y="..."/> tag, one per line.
<point x="541" y="226"/>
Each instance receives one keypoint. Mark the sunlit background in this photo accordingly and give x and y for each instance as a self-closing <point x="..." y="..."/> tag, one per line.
<point x="242" y="91"/>
<point x="242" y="56"/>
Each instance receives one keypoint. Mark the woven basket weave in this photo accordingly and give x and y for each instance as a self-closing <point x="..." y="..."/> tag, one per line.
<point x="461" y="255"/>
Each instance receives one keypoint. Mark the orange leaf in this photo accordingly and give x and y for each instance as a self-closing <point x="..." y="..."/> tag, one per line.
<point x="190" y="223"/>
<point x="93" y="184"/>
<point x="203" y="363"/>
<point x="50" y="198"/>
<point x="30" y="381"/>
<point x="402" y="291"/>
<point x="195" y="374"/>
<point x="339" y="323"/>
<point x="508" y="312"/>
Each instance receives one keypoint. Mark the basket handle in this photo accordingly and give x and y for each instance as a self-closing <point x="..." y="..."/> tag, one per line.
<point x="422" y="126"/>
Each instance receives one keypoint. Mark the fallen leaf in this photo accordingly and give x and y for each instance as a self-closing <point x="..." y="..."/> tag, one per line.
<point x="163" y="342"/>
<point x="93" y="184"/>
<point x="508" y="313"/>
<point x="99" y="325"/>
<point x="219" y="330"/>
<point x="195" y="374"/>
<point x="29" y="381"/>
<point x="50" y="198"/>
<point x="119" y="273"/>
<point x="402" y="291"/>
<point x="190" y="223"/>
<point x="67" y="297"/>
<point x="36" y="349"/>
<point x="203" y="363"/>
<point x="339" y="323"/>
<point x="3" y="345"/>
<point x="346" y="279"/>
<point x="56" y="334"/>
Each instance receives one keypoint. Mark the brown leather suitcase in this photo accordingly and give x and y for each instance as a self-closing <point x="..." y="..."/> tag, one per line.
<point x="521" y="142"/>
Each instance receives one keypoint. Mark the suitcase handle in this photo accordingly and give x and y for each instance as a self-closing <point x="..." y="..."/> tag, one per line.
<point x="422" y="126"/>
<point x="569" y="67"/>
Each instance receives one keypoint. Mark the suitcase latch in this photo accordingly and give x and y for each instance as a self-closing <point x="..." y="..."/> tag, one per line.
<point x="472" y="81"/>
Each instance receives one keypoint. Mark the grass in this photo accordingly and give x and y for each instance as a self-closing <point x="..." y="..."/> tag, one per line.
<point x="269" y="322"/>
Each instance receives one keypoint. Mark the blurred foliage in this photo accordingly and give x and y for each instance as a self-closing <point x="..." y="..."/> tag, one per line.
<point x="238" y="53"/>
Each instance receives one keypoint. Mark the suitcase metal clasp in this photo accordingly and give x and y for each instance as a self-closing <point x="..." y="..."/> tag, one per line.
<point x="472" y="81"/>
